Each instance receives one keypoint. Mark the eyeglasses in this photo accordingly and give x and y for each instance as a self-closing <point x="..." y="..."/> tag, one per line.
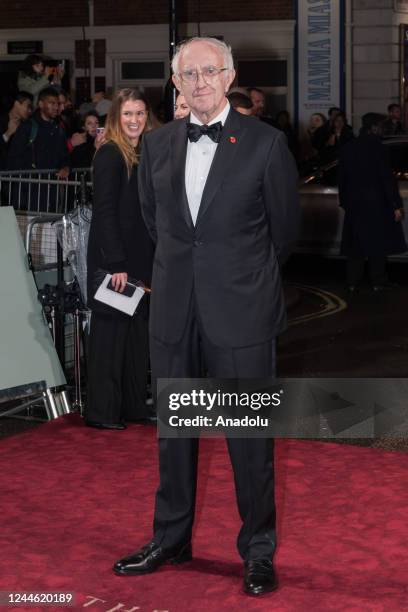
<point x="208" y="73"/>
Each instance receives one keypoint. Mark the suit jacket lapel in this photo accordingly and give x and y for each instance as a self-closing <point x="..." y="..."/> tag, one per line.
<point x="223" y="159"/>
<point x="178" y="152"/>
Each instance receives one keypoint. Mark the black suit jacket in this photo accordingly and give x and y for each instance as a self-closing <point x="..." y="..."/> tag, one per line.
<point x="369" y="194"/>
<point x="248" y="220"/>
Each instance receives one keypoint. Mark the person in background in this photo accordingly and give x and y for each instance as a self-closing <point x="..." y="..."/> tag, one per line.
<point x="340" y="133"/>
<point x="66" y="115"/>
<point x="62" y="100"/>
<point x="181" y="108"/>
<point x="322" y="134"/>
<point x="84" y="150"/>
<point x="9" y="122"/>
<point x="393" y="125"/>
<point x="333" y="112"/>
<point x="240" y="102"/>
<point x="119" y="244"/>
<point x="373" y="208"/>
<point x="85" y="106"/>
<point x="258" y="100"/>
<point x="35" y="76"/>
<point x="40" y="142"/>
<point x="102" y="105"/>
<point x="308" y="151"/>
<point x="316" y="121"/>
<point x="69" y="104"/>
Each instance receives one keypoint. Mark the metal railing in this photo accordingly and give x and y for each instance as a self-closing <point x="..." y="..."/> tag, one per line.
<point x="40" y="199"/>
<point x="40" y="241"/>
<point x="41" y="191"/>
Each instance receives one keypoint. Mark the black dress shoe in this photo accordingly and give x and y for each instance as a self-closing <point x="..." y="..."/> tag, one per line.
<point x="259" y="577"/>
<point x="105" y="425"/>
<point x="150" y="557"/>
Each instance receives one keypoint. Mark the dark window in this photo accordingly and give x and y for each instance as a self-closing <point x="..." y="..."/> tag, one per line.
<point x="142" y="70"/>
<point x="100" y="83"/>
<point x="82" y="89"/>
<point x="262" y="73"/>
<point x="82" y="53"/>
<point x="99" y="53"/>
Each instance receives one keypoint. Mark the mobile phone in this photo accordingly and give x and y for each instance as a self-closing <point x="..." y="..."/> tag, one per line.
<point x="100" y="130"/>
<point x="128" y="291"/>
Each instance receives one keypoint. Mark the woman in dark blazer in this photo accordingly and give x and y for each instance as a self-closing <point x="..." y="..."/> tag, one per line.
<point x="119" y="244"/>
<point x="373" y="208"/>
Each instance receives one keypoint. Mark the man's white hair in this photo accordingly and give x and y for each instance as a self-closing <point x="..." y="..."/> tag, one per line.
<point x="220" y="45"/>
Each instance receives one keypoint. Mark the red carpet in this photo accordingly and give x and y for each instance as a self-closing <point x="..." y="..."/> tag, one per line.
<point x="75" y="499"/>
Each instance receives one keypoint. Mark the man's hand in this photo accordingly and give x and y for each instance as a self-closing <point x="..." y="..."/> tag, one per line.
<point x="63" y="173"/>
<point x="78" y="138"/>
<point x="119" y="280"/>
<point x="398" y="214"/>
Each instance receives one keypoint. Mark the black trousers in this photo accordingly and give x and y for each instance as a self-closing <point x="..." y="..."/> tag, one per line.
<point x="252" y="459"/>
<point x="376" y="269"/>
<point x="118" y="361"/>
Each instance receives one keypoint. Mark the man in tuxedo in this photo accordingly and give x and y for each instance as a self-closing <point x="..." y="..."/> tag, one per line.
<point x="219" y="197"/>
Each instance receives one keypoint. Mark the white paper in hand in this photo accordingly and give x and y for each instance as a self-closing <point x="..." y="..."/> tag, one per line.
<point x="116" y="300"/>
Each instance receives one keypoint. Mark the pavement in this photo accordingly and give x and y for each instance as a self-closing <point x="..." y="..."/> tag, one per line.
<point x="334" y="334"/>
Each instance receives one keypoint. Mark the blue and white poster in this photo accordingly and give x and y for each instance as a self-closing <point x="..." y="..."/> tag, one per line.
<point x="320" y="57"/>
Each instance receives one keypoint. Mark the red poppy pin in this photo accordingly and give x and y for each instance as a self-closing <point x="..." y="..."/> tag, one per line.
<point x="232" y="139"/>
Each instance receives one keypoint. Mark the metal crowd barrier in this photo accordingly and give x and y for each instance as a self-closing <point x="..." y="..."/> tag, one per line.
<point x="40" y="191"/>
<point x="49" y="268"/>
<point x="40" y="199"/>
<point x="40" y="242"/>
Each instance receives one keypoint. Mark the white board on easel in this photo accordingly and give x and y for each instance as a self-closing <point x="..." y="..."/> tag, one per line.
<point x="27" y="353"/>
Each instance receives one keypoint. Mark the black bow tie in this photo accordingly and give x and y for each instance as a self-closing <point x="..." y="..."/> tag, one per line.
<point x="195" y="131"/>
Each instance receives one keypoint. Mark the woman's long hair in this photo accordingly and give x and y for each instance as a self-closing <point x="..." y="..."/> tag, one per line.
<point x="113" y="129"/>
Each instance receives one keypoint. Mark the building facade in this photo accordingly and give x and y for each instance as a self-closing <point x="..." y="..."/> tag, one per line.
<point x="377" y="65"/>
<point x="108" y="44"/>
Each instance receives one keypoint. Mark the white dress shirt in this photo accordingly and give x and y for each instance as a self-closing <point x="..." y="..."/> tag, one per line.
<point x="199" y="158"/>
